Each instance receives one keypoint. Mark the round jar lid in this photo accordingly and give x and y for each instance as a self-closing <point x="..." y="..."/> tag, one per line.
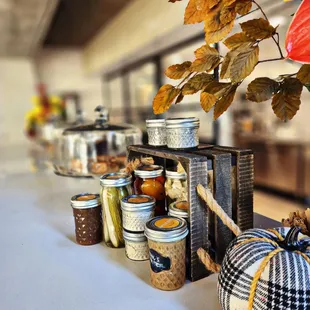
<point x="166" y="229"/>
<point x="173" y="174"/>
<point x="155" y="123"/>
<point x="116" y="179"/>
<point x="85" y="201"/>
<point x="137" y="203"/>
<point x="134" y="236"/>
<point x="179" y="209"/>
<point x="150" y="171"/>
<point x="190" y="122"/>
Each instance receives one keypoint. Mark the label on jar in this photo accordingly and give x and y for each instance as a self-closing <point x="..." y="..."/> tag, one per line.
<point x="158" y="262"/>
<point x="167" y="223"/>
<point x="139" y="199"/>
<point x="86" y="197"/>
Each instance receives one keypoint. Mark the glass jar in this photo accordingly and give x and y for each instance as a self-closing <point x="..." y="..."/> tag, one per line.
<point x="137" y="210"/>
<point x="151" y="181"/>
<point x="115" y="186"/>
<point x="87" y="216"/>
<point x="182" y="133"/>
<point x="176" y="186"/>
<point x="136" y="247"/>
<point x="156" y="130"/>
<point x="166" y="239"/>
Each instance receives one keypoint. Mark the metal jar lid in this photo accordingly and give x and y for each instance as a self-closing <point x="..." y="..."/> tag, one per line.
<point x="150" y="171"/>
<point x="190" y="122"/>
<point x="116" y="179"/>
<point x="134" y="236"/>
<point x="172" y="174"/>
<point x="85" y="201"/>
<point x="134" y="203"/>
<point x="155" y="123"/>
<point x="166" y="229"/>
<point x="179" y="209"/>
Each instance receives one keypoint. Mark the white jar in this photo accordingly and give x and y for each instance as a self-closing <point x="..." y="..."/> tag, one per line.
<point x="136" y="247"/>
<point x="136" y="211"/>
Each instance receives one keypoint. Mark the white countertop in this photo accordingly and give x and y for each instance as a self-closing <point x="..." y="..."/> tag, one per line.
<point x="41" y="266"/>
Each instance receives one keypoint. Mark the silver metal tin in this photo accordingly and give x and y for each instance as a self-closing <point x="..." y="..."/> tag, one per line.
<point x="134" y="236"/>
<point x="135" y="214"/>
<point x="176" y="175"/>
<point x="182" y="133"/>
<point x="156" y="130"/>
<point x="117" y="179"/>
<point x="166" y="234"/>
<point x="149" y="172"/>
<point x="175" y="211"/>
<point x="85" y="204"/>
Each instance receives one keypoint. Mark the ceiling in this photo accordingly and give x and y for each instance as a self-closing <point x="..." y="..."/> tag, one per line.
<point x="77" y="21"/>
<point x="23" y="24"/>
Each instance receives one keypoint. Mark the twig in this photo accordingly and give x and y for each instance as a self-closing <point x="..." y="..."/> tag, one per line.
<point x="272" y="59"/>
<point x="187" y="77"/>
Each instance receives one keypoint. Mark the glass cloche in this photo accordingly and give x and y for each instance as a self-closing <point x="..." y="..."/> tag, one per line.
<point x="96" y="148"/>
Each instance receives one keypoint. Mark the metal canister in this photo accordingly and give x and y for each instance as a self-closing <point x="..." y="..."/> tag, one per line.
<point x="88" y="219"/>
<point x="182" y="133"/>
<point x="136" y="211"/>
<point x="166" y="239"/>
<point x="156" y="130"/>
<point x="136" y="247"/>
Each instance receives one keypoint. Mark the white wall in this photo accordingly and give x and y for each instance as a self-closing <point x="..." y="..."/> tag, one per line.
<point x="17" y="86"/>
<point x="61" y="70"/>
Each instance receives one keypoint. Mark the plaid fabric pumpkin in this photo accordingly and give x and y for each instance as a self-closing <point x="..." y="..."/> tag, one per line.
<point x="266" y="269"/>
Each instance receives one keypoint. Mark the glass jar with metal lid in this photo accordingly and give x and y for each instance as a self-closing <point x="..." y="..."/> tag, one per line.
<point x="137" y="210"/>
<point x="151" y="181"/>
<point x="136" y="247"/>
<point x="87" y="216"/>
<point x="179" y="209"/>
<point x="156" y="130"/>
<point x="115" y="186"/>
<point x="176" y="185"/>
<point x="182" y="133"/>
<point x="166" y="239"/>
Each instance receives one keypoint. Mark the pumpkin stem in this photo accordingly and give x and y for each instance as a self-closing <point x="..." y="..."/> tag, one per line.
<point x="291" y="242"/>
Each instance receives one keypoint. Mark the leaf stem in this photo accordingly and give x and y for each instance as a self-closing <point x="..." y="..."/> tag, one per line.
<point x="187" y="77"/>
<point x="272" y="59"/>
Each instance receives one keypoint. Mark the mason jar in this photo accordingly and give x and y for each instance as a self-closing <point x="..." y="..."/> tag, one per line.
<point x="114" y="186"/>
<point x="182" y="133"/>
<point x="167" y="243"/>
<point x="87" y="216"/>
<point x="156" y="130"/>
<point x="150" y="181"/>
<point x="176" y="186"/>
<point x="137" y="210"/>
<point x="136" y="247"/>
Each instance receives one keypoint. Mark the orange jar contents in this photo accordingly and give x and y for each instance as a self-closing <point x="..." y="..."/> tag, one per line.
<point x="166" y="239"/>
<point x="150" y="181"/>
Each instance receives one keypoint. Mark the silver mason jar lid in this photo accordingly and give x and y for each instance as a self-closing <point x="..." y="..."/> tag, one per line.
<point x="85" y="201"/>
<point x="116" y="179"/>
<point x="134" y="236"/>
<point x="155" y="123"/>
<point x="179" y="209"/>
<point x="134" y="203"/>
<point x="190" y="122"/>
<point x="172" y="174"/>
<point x="166" y="229"/>
<point x="148" y="172"/>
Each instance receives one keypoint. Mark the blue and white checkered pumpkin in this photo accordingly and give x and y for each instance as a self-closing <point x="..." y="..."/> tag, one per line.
<point x="266" y="270"/>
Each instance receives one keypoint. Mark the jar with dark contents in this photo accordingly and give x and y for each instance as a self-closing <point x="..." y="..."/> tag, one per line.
<point x="87" y="216"/>
<point x="150" y="181"/>
<point x="114" y="186"/>
<point x="166" y="239"/>
<point x="181" y="209"/>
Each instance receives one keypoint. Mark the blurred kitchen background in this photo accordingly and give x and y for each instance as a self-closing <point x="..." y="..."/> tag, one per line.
<point x="113" y="53"/>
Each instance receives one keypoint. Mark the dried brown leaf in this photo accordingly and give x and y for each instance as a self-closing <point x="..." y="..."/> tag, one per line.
<point x="224" y="103"/>
<point x="244" y="63"/>
<point x="164" y="98"/>
<point x="226" y="64"/>
<point x="243" y="6"/>
<point x="195" y="11"/>
<point x="303" y="74"/>
<point x="197" y="83"/>
<point x="207" y="101"/>
<point x="262" y="89"/>
<point x="217" y="89"/>
<point x="179" y="98"/>
<point x="228" y="13"/>
<point x="178" y="71"/>
<point x="207" y="58"/>
<point x="187" y="89"/>
<point x="258" y="29"/>
<point x="218" y="35"/>
<point x="285" y="104"/>
<point x="239" y="40"/>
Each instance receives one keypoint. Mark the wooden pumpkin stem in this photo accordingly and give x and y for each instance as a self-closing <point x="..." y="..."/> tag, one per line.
<point x="208" y="262"/>
<point x="207" y="196"/>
